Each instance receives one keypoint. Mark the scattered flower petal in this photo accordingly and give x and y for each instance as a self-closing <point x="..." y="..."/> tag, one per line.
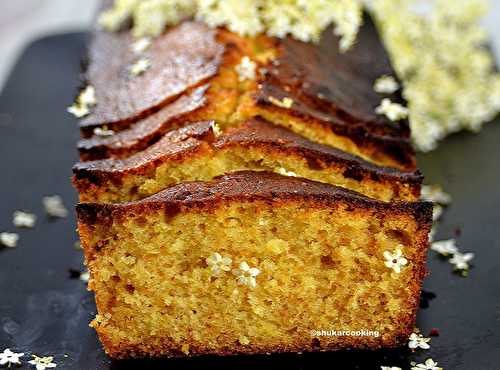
<point x="141" y="45"/>
<point x="85" y="276"/>
<point x="445" y="247"/>
<point x="54" y="206"/>
<point x="24" y="219"/>
<point x="390" y="368"/>
<point x="461" y="260"/>
<point x="139" y="67"/>
<point x="42" y="363"/>
<point x="286" y="102"/>
<point x="418" y="341"/>
<point x="216" y="129"/>
<point x="78" y="111"/>
<point x="103" y="132"/>
<point x="429" y="364"/>
<point x="9" y="240"/>
<point x="246" y="69"/>
<point x="435" y="193"/>
<point x="386" y="85"/>
<point x="284" y="172"/>
<point x="7" y="357"/>
<point x="393" y="111"/>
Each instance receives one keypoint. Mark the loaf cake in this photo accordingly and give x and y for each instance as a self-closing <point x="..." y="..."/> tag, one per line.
<point x="227" y="211"/>
<point x="316" y="257"/>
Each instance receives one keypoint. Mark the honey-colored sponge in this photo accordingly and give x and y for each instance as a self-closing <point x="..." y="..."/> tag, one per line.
<point x="303" y="256"/>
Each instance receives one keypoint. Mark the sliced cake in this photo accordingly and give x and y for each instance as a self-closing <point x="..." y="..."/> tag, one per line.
<point x="194" y="152"/>
<point x="253" y="262"/>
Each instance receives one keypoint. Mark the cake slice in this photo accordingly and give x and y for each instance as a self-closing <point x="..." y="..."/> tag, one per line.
<point x="194" y="152"/>
<point x="253" y="262"/>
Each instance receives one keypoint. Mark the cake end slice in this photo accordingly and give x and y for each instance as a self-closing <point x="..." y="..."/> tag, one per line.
<point x="253" y="262"/>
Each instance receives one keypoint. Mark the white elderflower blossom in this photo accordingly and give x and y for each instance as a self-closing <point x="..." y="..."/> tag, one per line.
<point x="304" y="20"/>
<point x="218" y="264"/>
<point x="7" y="357"/>
<point x="435" y="193"/>
<point x="386" y="85"/>
<point x="23" y="219"/>
<point x="286" y="102"/>
<point x="103" y="132"/>
<point x="42" y="363"/>
<point x="83" y="102"/>
<point x="445" y="247"/>
<point x="417" y="340"/>
<point x="460" y="261"/>
<point x="141" y="45"/>
<point x="429" y="364"/>
<point x="395" y="260"/>
<point x="246" y="69"/>
<point x="246" y="275"/>
<point x="140" y="66"/>
<point x="9" y="240"/>
<point x="393" y="111"/>
<point x="442" y="47"/>
<point x="54" y="206"/>
<point x="283" y="171"/>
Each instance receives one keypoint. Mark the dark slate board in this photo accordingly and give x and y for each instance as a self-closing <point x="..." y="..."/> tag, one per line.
<point x="43" y="311"/>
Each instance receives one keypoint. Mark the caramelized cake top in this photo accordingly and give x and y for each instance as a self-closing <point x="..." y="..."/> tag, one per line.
<point x="182" y="58"/>
<point x="248" y="186"/>
<point x="258" y="133"/>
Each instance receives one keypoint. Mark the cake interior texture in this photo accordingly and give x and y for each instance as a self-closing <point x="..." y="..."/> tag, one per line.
<point x="321" y="268"/>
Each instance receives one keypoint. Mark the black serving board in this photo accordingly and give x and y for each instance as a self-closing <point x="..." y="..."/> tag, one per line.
<point x="43" y="311"/>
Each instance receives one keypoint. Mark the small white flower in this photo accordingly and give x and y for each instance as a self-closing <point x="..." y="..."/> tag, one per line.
<point x="42" y="363"/>
<point x="87" y="97"/>
<point x="54" y="206"/>
<point x="141" y="45"/>
<point x="461" y="260"/>
<point x="246" y="69"/>
<point x="393" y="111"/>
<point x="103" y="132"/>
<point x="445" y="247"/>
<point x="429" y="364"/>
<point x="395" y="260"/>
<point x="23" y="219"/>
<point x="434" y="193"/>
<point x="246" y="275"/>
<point x="390" y="368"/>
<point x="9" y="239"/>
<point x="286" y="102"/>
<point x="218" y="264"/>
<point x="418" y="341"/>
<point x="139" y="67"/>
<point x="284" y="172"/>
<point x="84" y="276"/>
<point x="7" y="357"/>
<point x="78" y="111"/>
<point x="85" y="100"/>
<point x="386" y="85"/>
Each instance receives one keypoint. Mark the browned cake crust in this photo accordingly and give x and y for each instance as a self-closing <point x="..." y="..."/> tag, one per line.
<point x="181" y="144"/>
<point x="334" y="91"/>
<point x="122" y="99"/>
<point x="248" y="186"/>
<point x="145" y="132"/>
